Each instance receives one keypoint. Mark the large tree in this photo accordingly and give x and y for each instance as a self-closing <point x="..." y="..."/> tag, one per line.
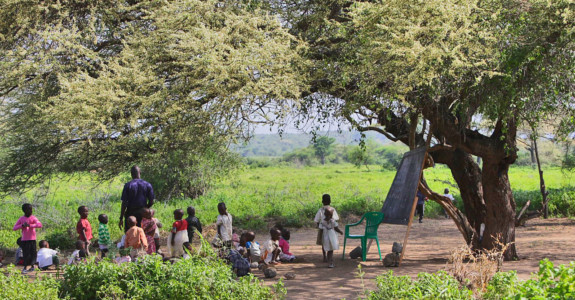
<point x="409" y="68"/>
<point x="167" y="84"/>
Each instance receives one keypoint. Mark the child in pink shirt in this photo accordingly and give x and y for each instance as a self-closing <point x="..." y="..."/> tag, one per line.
<point x="28" y="224"/>
<point x="285" y="256"/>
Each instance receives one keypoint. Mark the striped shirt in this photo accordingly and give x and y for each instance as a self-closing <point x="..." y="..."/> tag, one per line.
<point x="103" y="234"/>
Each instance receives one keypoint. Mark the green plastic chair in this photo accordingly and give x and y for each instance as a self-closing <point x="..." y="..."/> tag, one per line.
<point x="372" y="221"/>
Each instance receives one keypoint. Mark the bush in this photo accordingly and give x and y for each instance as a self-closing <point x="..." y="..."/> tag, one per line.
<point x="15" y="286"/>
<point x="549" y="283"/>
<point x="439" y="285"/>
<point x="202" y="277"/>
<point x="503" y="285"/>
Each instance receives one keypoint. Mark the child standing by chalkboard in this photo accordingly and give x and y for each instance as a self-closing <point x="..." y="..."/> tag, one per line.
<point x="319" y="216"/>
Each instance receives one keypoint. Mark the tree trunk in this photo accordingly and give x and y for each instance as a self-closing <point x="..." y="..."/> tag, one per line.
<point x="542" y="186"/>
<point x="500" y="208"/>
<point x="467" y="175"/>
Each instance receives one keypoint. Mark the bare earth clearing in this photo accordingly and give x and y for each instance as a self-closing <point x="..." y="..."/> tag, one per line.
<point x="428" y="249"/>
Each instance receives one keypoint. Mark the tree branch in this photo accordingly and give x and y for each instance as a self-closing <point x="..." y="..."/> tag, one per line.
<point x="379" y="130"/>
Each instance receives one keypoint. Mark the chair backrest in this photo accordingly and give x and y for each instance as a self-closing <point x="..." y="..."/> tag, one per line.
<point x="372" y="221"/>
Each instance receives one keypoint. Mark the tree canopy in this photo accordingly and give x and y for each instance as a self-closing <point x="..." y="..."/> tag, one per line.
<point x="411" y="68"/>
<point x="166" y="84"/>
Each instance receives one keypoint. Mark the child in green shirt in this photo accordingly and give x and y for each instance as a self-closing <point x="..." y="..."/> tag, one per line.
<point x="103" y="234"/>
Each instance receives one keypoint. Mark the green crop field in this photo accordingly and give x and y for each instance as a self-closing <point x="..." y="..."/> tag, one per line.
<point x="259" y="197"/>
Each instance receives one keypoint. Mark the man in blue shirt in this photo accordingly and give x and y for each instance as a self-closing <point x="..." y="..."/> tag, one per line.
<point x="420" y="205"/>
<point x="137" y="195"/>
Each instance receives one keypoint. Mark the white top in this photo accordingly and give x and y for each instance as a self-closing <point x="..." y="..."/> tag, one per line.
<point x="226" y="230"/>
<point x="330" y="240"/>
<point x="450" y="197"/>
<point x="75" y="257"/>
<point x="319" y="215"/>
<point x="44" y="258"/>
<point x="158" y="226"/>
<point x="269" y="247"/>
<point x="122" y="242"/>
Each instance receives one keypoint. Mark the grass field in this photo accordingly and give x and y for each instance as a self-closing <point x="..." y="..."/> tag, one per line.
<point x="257" y="197"/>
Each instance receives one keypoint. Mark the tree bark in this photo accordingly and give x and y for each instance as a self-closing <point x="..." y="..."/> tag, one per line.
<point x="500" y="208"/>
<point x="467" y="175"/>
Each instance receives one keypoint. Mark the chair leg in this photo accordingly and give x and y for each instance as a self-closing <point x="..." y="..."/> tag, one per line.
<point x="343" y="252"/>
<point x="378" y="250"/>
<point x="364" y="249"/>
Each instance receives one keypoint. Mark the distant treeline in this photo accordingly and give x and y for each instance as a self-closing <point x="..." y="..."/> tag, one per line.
<point x="301" y="150"/>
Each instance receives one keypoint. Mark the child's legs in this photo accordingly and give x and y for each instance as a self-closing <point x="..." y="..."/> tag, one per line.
<point x="55" y="260"/>
<point x="324" y="253"/>
<point x="103" y="251"/>
<point x="29" y="253"/>
<point x="157" y="242"/>
<point x="330" y="255"/>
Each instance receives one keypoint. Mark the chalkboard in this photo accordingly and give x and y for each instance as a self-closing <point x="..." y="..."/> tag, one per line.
<point x="399" y="201"/>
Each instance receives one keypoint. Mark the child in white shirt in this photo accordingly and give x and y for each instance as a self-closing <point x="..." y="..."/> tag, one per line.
<point x="47" y="257"/>
<point x="319" y="216"/>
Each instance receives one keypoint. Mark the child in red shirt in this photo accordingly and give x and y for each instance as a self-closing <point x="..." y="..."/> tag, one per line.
<point x="179" y="235"/>
<point x="83" y="228"/>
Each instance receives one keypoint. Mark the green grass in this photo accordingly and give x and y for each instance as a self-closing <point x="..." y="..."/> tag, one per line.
<point x="257" y="198"/>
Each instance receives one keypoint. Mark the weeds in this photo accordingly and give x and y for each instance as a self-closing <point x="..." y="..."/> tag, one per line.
<point x="474" y="269"/>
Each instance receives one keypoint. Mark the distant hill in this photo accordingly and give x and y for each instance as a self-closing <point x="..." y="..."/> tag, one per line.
<point x="273" y="145"/>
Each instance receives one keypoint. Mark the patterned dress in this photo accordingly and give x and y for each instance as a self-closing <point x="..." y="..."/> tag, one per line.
<point x="149" y="227"/>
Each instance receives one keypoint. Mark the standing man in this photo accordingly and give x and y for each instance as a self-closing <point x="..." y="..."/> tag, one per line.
<point x="137" y="195"/>
<point x="420" y="205"/>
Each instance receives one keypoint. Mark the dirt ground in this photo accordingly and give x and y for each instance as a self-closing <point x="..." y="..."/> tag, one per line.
<point x="427" y="250"/>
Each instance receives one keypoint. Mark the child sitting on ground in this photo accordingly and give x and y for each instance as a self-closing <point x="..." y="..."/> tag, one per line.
<point x="254" y="252"/>
<point x="84" y="228"/>
<point x="124" y="256"/>
<point x="319" y="216"/>
<point x="104" y="241"/>
<point x="272" y="248"/>
<point x="193" y="223"/>
<point x="19" y="254"/>
<point x="79" y="254"/>
<point x="157" y="233"/>
<point x="47" y="257"/>
<point x="28" y="224"/>
<point x="330" y="241"/>
<point x="135" y="238"/>
<point x="240" y="264"/>
<point x="149" y="227"/>
<point x="178" y="236"/>
<point x="224" y="224"/>
<point x="285" y="255"/>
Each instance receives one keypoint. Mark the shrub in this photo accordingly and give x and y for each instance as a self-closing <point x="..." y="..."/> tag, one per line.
<point x="439" y="285"/>
<point x="503" y="285"/>
<point x="151" y="278"/>
<point x="550" y="282"/>
<point x="15" y="286"/>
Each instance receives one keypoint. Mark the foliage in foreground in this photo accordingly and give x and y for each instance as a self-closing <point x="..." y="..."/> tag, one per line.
<point x="427" y="286"/>
<point x="201" y="277"/>
<point x="15" y="286"/>
<point x="195" y="278"/>
<point x="550" y="282"/>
